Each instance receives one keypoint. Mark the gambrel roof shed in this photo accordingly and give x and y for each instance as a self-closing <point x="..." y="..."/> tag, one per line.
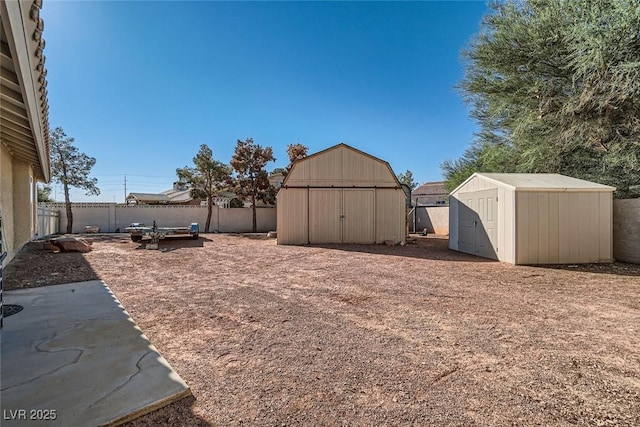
<point x="532" y="218"/>
<point x="341" y="195"/>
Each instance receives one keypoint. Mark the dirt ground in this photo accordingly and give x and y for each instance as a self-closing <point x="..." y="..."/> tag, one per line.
<point x="370" y="335"/>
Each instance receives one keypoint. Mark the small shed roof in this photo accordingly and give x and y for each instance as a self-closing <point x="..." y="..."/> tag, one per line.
<point x="540" y="182"/>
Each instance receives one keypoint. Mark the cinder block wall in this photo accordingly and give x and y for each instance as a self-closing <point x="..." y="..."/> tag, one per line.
<point x="626" y="230"/>
<point x="111" y="217"/>
<point x="434" y="218"/>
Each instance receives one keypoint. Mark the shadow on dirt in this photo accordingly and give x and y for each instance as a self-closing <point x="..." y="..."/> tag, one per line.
<point x="171" y="243"/>
<point x="616" y="268"/>
<point x="49" y="268"/>
<point x="431" y="248"/>
<point x="176" y="413"/>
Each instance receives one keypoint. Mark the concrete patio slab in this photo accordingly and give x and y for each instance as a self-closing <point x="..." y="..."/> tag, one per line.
<point x="74" y="357"/>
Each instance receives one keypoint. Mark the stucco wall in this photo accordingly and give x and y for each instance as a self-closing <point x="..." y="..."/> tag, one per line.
<point x="24" y="218"/>
<point x="6" y="202"/>
<point x="111" y="217"/>
<point x="17" y="188"/>
<point x="434" y="218"/>
<point x="626" y="230"/>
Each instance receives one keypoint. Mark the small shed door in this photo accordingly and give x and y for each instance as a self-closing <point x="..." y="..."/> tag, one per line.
<point x="486" y="230"/>
<point x="467" y="218"/>
<point x="478" y="223"/>
<point x="325" y="215"/>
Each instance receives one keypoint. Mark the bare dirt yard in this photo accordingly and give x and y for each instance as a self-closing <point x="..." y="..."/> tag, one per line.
<point x="370" y="335"/>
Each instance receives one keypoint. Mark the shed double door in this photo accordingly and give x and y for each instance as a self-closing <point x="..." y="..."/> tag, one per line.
<point x="341" y="215"/>
<point x="478" y="223"/>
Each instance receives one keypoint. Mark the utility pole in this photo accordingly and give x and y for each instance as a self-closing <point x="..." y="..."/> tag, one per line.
<point x="125" y="188"/>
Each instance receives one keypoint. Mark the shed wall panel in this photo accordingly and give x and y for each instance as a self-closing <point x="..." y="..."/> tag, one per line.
<point x="522" y="231"/>
<point x="605" y="226"/>
<point x="564" y="221"/>
<point x="390" y="215"/>
<point x="563" y="227"/>
<point x="478" y="183"/>
<point x="325" y="169"/>
<point x="574" y="218"/>
<point x="299" y="175"/>
<point x="454" y="222"/>
<point x="356" y="168"/>
<point x="533" y="228"/>
<point x="293" y="217"/>
<point x="507" y="224"/>
<point x="543" y="227"/>
<point x="589" y="225"/>
<point x="554" y="229"/>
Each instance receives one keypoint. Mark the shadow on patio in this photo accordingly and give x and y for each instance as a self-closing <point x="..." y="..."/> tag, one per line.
<point x="74" y="349"/>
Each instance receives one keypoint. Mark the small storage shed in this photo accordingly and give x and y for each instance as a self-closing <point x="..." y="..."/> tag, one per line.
<point x="340" y="195"/>
<point x="532" y="219"/>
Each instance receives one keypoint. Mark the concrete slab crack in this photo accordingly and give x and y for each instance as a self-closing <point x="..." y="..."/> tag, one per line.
<point x="128" y="380"/>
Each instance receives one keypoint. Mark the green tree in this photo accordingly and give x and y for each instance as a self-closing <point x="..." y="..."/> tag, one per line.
<point x="44" y="193"/>
<point x="205" y="179"/>
<point x="251" y="179"/>
<point x="71" y="168"/>
<point x="407" y="178"/>
<point x="555" y="87"/>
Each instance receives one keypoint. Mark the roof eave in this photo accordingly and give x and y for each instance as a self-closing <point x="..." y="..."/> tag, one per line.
<point x="22" y="42"/>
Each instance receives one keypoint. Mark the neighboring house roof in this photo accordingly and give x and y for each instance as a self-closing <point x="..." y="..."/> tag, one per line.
<point x="435" y="188"/>
<point x="148" y="197"/>
<point x="171" y="196"/>
<point x="24" y="128"/>
<point x="540" y="182"/>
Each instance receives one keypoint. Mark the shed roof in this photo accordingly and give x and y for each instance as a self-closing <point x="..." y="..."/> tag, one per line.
<point x="341" y="145"/>
<point x="540" y="182"/>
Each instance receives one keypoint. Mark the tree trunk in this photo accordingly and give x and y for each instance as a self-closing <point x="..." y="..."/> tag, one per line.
<point x="209" y="209"/>
<point x="67" y="202"/>
<point x="253" y="203"/>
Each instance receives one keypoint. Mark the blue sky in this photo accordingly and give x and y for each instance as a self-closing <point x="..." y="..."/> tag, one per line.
<point x="141" y="85"/>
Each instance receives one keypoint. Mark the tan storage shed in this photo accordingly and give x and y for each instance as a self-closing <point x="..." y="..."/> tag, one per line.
<point x="532" y="219"/>
<point x="340" y="195"/>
